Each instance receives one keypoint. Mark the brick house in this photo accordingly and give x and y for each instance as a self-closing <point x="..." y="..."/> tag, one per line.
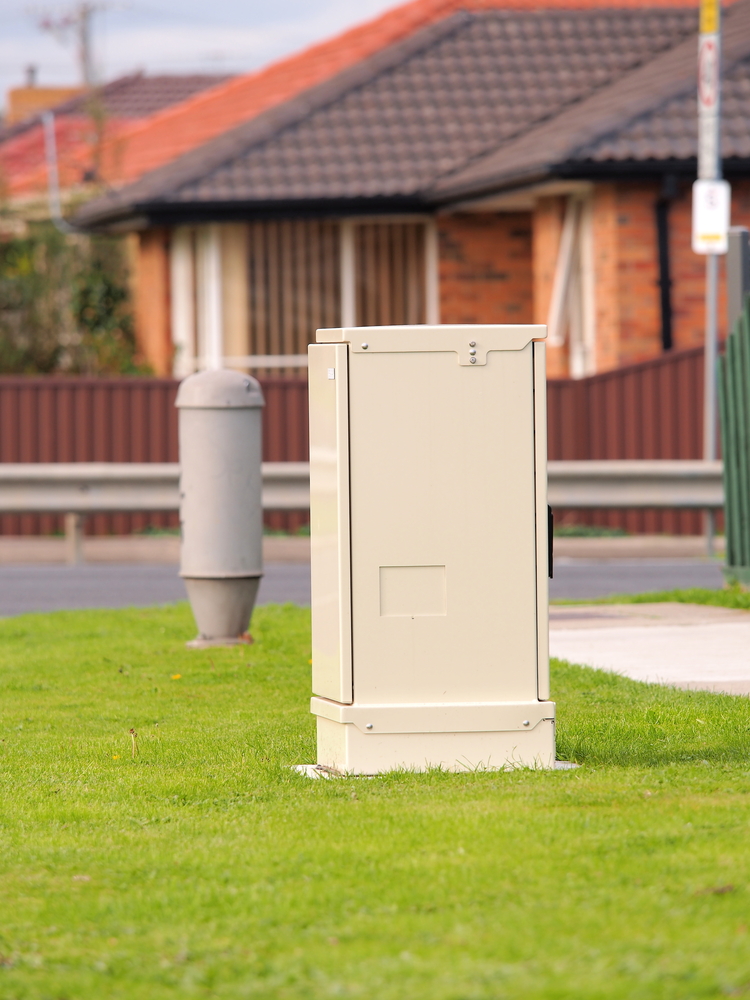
<point x="488" y="165"/>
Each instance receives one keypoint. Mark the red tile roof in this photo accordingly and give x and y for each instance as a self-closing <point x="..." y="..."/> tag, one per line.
<point x="135" y="149"/>
<point x="122" y="101"/>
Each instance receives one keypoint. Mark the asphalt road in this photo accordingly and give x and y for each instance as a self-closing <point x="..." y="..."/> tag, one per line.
<point x="580" y="580"/>
<point x="55" y="588"/>
<point x="52" y="588"/>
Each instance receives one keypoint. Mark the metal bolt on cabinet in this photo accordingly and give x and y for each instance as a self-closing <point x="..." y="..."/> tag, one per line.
<point x="429" y="539"/>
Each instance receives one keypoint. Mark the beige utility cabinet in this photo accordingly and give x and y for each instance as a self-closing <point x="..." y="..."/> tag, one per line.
<point x="429" y="548"/>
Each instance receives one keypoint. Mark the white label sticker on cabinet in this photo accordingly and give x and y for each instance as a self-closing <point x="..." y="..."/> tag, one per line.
<point x="331" y="373"/>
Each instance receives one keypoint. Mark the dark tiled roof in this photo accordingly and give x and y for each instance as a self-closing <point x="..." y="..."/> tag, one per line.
<point x="486" y="80"/>
<point x="129" y="97"/>
<point x="671" y="131"/>
<point x="657" y="98"/>
<point x="139" y="96"/>
<point x="422" y="109"/>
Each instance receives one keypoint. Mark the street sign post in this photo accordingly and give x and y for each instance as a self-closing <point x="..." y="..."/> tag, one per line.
<point x="709" y="62"/>
<point x="711" y="199"/>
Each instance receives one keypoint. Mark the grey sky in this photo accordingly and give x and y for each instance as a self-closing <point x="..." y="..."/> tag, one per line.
<point x="174" y="36"/>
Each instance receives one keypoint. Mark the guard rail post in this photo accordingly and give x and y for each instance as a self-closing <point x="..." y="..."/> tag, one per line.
<point x="74" y="524"/>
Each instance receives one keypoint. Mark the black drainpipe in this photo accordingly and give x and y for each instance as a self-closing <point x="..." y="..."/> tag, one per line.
<point x="669" y="191"/>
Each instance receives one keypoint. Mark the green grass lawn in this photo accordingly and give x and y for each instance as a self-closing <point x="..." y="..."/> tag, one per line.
<point x="204" y="867"/>
<point x="727" y="597"/>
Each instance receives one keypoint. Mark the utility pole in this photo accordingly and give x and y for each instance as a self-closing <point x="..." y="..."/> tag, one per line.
<point x="711" y="201"/>
<point x="85" y="11"/>
<point x="77" y="19"/>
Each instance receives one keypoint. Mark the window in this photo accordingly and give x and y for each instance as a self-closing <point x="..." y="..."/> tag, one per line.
<point x="245" y="291"/>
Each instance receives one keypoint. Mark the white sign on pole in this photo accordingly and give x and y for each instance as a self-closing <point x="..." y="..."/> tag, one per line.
<point x="711" y="201"/>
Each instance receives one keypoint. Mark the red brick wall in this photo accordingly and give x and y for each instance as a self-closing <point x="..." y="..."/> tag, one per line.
<point x="485" y="268"/>
<point x="606" y="277"/>
<point x="629" y="329"/>
<point x="688" y="276"/>
<point x="628" y="321"/>
<point x="638" y="273"/>
<point x="626" y="261"/>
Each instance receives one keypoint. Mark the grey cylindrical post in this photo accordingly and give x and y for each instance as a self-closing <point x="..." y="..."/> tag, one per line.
<point x="221" y="511"/>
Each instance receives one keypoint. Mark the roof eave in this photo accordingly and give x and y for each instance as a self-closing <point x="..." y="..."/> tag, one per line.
<point x="632" y="168"/>
<point x="497" y="184"/>
<point x="150" y="215"/>
<point x="132" y="218"/>
<point x="583" y="170"/>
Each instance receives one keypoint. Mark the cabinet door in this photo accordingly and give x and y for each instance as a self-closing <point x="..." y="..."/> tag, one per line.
<point x="444" y="543"/>
<point x="329" y="522"/>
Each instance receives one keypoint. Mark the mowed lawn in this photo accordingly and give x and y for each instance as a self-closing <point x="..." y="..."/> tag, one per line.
<point x="205" y="867"/>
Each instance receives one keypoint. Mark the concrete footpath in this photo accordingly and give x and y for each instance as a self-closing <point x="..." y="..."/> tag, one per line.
<point x="686" y="645"/>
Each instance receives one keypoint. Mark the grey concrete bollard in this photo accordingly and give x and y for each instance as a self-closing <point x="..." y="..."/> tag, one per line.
<point x="221" y="510"/>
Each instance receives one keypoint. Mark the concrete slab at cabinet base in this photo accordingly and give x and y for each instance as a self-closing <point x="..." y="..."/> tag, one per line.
<point x="345" y="749"/>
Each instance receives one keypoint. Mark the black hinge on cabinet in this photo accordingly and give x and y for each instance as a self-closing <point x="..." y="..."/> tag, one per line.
<point x="550" y="539"/>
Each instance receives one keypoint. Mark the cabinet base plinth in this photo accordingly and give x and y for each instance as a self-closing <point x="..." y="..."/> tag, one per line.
<point x="343" y="748"/>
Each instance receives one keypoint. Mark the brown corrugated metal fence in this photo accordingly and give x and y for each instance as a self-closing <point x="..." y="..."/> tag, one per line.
<point x="649" y="410"/>
<point x="51" y="419"/>
<point x="285" y="438"/>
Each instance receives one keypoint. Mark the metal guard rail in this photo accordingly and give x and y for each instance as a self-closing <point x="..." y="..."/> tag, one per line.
<point x="102" y="487"/>
<point x="636" y="483"/>
<point x="99" y="487"/>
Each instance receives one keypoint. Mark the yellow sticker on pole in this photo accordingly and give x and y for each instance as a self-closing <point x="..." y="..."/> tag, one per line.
<point x="709" y="19"/>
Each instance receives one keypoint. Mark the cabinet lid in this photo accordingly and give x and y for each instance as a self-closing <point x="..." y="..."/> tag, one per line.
<point x="471" y="343"/>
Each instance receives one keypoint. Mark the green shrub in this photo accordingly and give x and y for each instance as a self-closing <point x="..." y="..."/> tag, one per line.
<point x="65" y="305"/>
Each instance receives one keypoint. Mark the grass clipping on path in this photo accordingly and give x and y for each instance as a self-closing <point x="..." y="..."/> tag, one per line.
<point x="201" y="866"/>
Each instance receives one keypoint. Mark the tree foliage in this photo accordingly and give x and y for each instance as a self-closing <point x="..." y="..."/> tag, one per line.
<point x="65" y="305"/>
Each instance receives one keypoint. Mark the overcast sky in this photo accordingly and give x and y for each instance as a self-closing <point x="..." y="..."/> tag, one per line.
<point x="173" y="36"/>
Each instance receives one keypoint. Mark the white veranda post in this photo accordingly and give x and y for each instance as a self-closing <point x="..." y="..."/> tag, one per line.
<point x="209" y="288"/>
